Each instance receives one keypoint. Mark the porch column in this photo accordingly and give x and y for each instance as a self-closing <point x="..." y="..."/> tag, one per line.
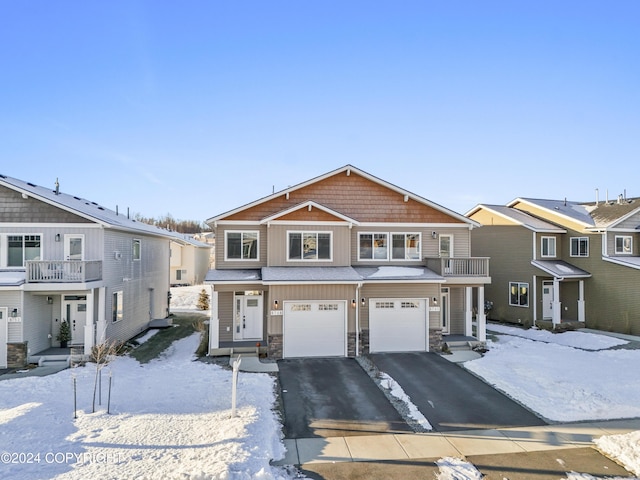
<point x="481" y="318"/>
<point x="581" y="315"/>
<point x="468" y="312"/>
<point x="89" y="324"/>
<point x="101" y="333"/>
<point x="214" y="322"/>
<point x="556" y="315"/>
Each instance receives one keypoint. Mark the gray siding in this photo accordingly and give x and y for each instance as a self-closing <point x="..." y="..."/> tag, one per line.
<point x="16" y="209"/>
<point x="399" y="290"/>
<point x="457" y="311"/>
<point x="13" y="299"/>
<point x="277" y="249"/>
<point x="37" y="323"/>
<point x="220" y="247"/>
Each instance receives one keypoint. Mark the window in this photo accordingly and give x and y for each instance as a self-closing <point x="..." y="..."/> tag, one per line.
<point x="385" y="305"/>
<point x="405" y="246"/>
<point x="624" y="244"/>
<point x="373" y="246"/>
<point x="117" y="307"/>
<point x="21" y="248"/>
<point x="241" y="246"/>
<point x="136" y="249"/>
<point x="326" y="307"/>
<point x="579" y="247"/>
<point x="519" y="294"/>
<point x="309" y="246"/>
<point x="301" y="307"/>
<point x="548" y="246"/>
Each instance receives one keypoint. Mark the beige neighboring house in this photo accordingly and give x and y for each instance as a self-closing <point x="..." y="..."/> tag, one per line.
<point x="341" y="265"/>
<point x="561" y="261"/>
<point x="189" y="262"/>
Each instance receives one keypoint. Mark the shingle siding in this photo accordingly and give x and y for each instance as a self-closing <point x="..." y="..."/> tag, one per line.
<point x="15" y="209"/>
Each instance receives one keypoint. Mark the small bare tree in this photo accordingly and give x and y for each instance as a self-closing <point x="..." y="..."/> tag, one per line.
<point x="102" y="354"/>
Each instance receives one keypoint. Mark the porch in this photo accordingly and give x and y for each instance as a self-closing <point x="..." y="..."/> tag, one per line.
<point x="57" y="355"/>
<point x="476" y="267"/>
<point x="60" y="271"/>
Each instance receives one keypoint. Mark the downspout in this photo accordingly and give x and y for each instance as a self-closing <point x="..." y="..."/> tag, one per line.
<point x="358" y="286"/>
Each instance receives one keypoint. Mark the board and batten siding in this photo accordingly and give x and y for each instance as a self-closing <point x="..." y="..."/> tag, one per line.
<point x="221" y="246"/>
<point x="277" y="240"/>
<point x="399" y="290"/>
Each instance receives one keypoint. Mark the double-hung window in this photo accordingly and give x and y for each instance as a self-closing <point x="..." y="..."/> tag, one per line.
<point x="519" y="294"/>
<point x="579" y="247"/>
<point x="624" y="244"/>
<point x="21" y="248"/>
<point x="309" y="245"/>
<point x="548" y="247"/>
<point x="241" y="245"/>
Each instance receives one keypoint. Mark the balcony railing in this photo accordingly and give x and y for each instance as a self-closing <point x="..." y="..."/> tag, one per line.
<point x="60" y="271"/>
<point x="459" y="267"/>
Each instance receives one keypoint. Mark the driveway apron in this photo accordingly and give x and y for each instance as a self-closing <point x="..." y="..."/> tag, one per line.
<point x="450" y="397"/>
<point x="333" y="397"/>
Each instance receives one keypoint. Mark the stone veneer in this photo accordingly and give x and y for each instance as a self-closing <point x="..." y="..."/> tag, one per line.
<point x="17" y="355"/>
<point x="274" y="347"/>
<point x="435" y="340"/>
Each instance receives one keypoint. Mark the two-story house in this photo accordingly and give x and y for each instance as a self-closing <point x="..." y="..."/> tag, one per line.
<point x="344" y="264"/>
<point x="67" y="259"/>
<point x="557" y="260"/>
<point x="189" y="260"/>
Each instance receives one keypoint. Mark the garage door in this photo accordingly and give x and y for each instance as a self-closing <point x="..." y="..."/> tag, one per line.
<point x="314" y="329"/>
<point x="398" y="325"/>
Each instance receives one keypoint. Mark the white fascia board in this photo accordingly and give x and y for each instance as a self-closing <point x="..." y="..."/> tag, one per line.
<point x="618" y="261"/>
<point x="238" y="222"/>
<point x="391" y="280"/>
<point x="234" y="282"/>
<point x="413" y="225"/>
<point x="311" y="282"/>
<point x="309" y="204"/>
<point x="51" y="225"/>
<point x="622" y="230"/>
<point x="515" y="221"/>
<point x="300" y="223"/>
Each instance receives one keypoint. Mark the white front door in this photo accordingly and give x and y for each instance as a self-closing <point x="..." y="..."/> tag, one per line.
<point x="75" y="312"/>
<point x="3" y="337"/>
<point x="248" y="317"/>
<point x="547" y="300"/>
<point x="74" y="247"/>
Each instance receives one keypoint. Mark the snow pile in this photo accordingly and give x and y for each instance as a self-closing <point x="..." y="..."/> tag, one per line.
<point x="583" y="340"/>
<point x="169" y="419"/>
<point x="625" y="449"/>
<point x="387" y="272"/>
<point x="186" y="298"/>
<point x="562" y="383"/>
<point x="456" y="469"/>
<point x="396" y="390"/>
<point x="146" y="336"/>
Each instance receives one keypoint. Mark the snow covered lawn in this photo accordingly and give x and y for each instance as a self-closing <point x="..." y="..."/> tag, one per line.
<point x="169" y="419"/>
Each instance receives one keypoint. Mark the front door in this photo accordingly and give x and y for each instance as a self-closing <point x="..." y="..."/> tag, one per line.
<point x="3" y="337"/>
<point x="547" y="300"/>
<point x="444" y="310"/>
<point x="248" y="317"/>
<point x="74" y="247"/>
<point x="75" y="312"/>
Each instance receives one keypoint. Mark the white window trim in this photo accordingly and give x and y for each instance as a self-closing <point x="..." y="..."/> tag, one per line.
<point x="615" y="244"/>
<point x="119" y="312"/>
<point x="519" y="286"/>
<point x="555" y="247"/>
<point x="226" y="243"/>
<point x="133" y="249"/>
<point x="578" y="240"/>
<point x="372" y="259"/>
<point x="316" y="232"/>
<point x="4" y="248"/>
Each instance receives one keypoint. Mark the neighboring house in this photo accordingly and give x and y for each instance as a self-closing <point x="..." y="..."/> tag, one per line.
<point x="556" y="260"/>
<point x="210" y="239"/>
<point x="344" y="264"/>
<point x="63" y="258"/>
<point x="189" y="261"/>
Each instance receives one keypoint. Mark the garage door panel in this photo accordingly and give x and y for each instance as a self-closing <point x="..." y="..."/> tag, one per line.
<point x="314" y="329"/>
<point x="398" y="325"/>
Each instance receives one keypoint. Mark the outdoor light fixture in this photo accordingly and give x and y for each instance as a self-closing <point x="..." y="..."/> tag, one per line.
<point x="362" y="302"/>
<point x="57" y="237"/>
<point x="14" y="312"/>
<point x="435" y="301"/>
<point x="353" y="303"/>
<point x="434" y="234"/>
<point x="49" y="300"/>
<point x="275" y="304"/>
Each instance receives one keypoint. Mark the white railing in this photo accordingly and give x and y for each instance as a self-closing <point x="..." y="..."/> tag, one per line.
<point x="459" y="267"/>
<point x="61" y="271"/>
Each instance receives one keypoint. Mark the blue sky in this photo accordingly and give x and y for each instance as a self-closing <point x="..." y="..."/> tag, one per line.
<point x="196" y="107"/>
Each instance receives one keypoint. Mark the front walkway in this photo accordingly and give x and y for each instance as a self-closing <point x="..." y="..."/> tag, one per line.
<point x="458" y="444"/>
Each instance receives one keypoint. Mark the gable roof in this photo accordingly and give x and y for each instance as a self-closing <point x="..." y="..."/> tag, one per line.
<point x="518" y="217"/>
<point x="329" y="214"/>
<point x="346" y="202"/>
<point x="569" y="209"/>
<point x="83" y="208"/>
<point x="609" y="214"/>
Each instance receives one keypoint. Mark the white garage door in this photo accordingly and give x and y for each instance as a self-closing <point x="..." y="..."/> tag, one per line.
<point x="314" y="329"/>
<point x="398" y="325"/>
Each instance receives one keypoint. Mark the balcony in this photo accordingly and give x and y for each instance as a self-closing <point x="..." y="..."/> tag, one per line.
<point x="459" y="267"/>
<point x="60" y="271"/>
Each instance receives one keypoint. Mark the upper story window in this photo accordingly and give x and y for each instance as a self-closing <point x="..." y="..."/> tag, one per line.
<point x="21" y="248"/>
<point x="624" y="244"/>
<point x="548" y="248"/>
<point x="579" y="247"/>
<point x="136" y="249"/>
<point x="309" y="245"/>
<point x="241" y="245"/>
<point x="405" y="246"/>
<point x="519" y="294"/>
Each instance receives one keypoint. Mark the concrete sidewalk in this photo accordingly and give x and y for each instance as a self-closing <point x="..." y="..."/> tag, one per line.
<point x="450" y="444"/>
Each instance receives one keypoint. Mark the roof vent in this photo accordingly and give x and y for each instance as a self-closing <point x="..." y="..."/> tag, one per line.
<point x="57" y="187"/>
<point x="3" y="176"/>
<point x="77" y="198"/>
<point x="31" y="184"/>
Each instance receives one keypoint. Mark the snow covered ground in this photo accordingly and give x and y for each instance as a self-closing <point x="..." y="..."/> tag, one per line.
<point x="186" y="298"/>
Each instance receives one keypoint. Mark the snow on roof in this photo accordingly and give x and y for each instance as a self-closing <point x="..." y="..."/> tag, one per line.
<point x="310" y="274"/>
<point x="560" y="269"/>
<point x="247" y="275"/>
<point x="574" y="210"/>
<point x="12" y="278"/>
<point x="397" y="273"/>
<point x="523" y="218"/>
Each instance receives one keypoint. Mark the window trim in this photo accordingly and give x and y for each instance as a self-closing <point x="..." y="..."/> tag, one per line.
<point x="519" y="286"/>
<point x="242" y="233"/>
<point x="373" y="259"/>
<point x="623" y="237"/>
<point x="5" y="254"/>
<point x="578" y="241"/>
<point x="117" y="302"/>
<point x="138" y="257"/>
<point x="389" y="245"/>
<point x="555" y="247"/>
<point x="308" y="232"/>
<point x="405" y="234"/>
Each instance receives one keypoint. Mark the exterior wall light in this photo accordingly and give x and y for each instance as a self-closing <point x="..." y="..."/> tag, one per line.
<point x="275" y="304"/>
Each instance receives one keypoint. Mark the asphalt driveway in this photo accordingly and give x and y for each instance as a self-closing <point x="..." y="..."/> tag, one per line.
<point x="333" y="397"/>
<point x="450" y="397"/>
